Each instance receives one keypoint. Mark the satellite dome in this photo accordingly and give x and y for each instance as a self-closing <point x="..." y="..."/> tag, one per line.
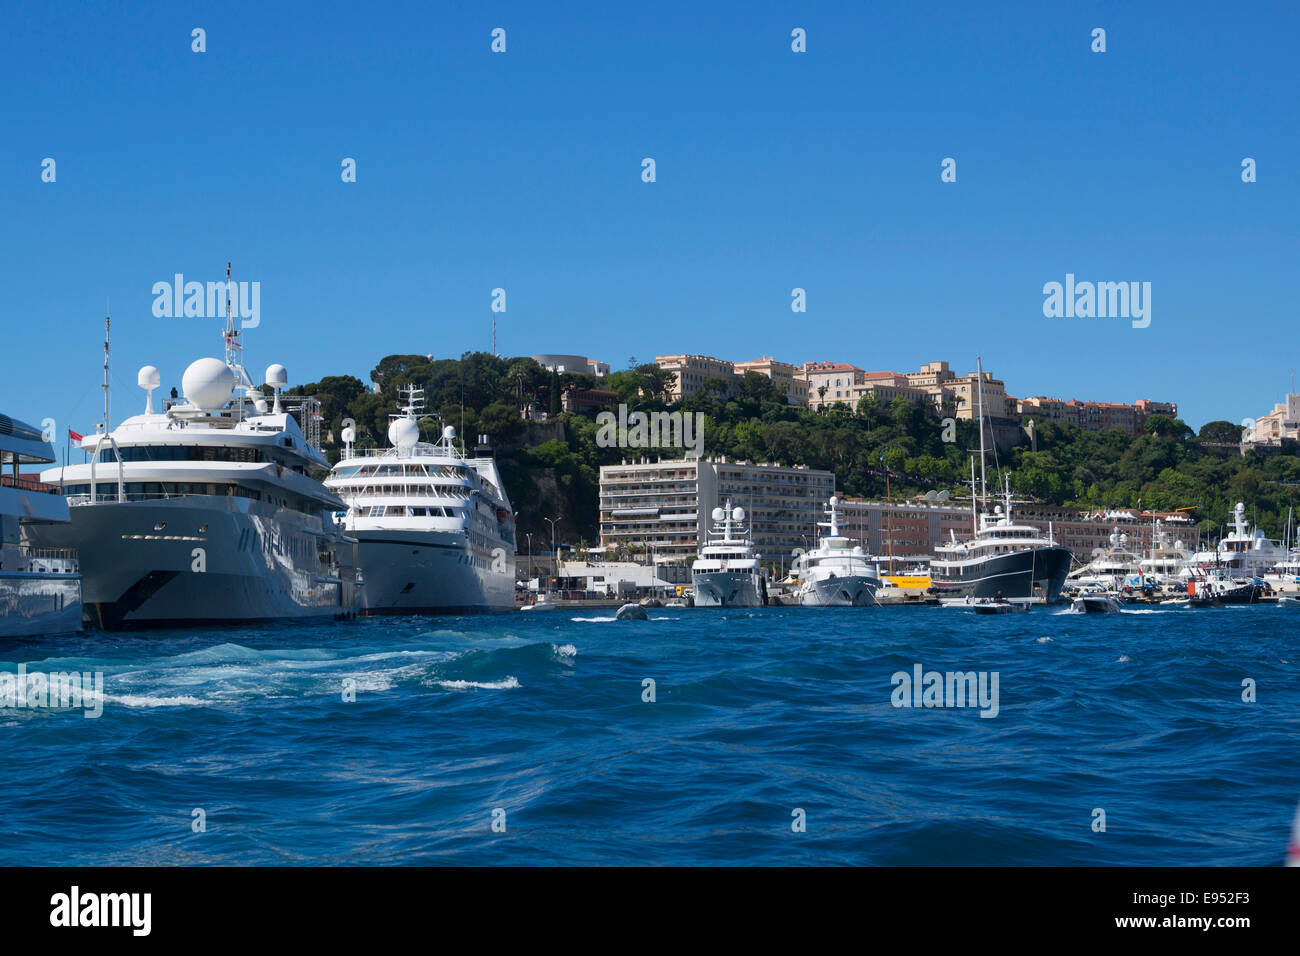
<point x="834" y="501"/>
<point x="449" y="432"/>
<point x="148" y="378"/>
<point x="403" y="433"/>
<point x="208" y="383"/>
<point x="349" y="435"/>
<point x="277" y="376"/>
<point x="1240" y="508"/>
<point x="719" y="514"/>
<point x="738" y="514"/>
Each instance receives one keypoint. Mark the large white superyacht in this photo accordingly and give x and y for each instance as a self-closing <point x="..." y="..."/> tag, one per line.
<point x="836" y="573"/>
<point x="727" y="573"/>
<point x="206" y="512"/>
<point x="1113" y="568"/>
<point x="1241" y="555"/>
<point x="40" y="588"/>
<point x="435" y="529"/>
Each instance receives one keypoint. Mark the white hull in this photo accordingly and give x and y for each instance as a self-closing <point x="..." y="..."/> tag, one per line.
<point x="841" y="591"/>
<point x="726" y="589"/>
<point x="252" y="561"/>
<point x="432" y="572"/>
<point x="38" y="605"/>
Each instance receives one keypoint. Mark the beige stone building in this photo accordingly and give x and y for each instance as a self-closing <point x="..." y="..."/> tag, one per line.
<point x="830" y="382"/>
<point x="783" y="375"/>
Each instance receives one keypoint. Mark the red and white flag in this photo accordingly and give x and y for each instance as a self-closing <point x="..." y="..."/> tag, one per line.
<point x="74" y="436"/>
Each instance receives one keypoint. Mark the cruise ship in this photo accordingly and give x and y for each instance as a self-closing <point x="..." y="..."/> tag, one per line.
<point x="726" y="573"/>
<point x="837" y="573"/>
<point x="435" y="529"/>
<point x="40" y="588"/>
<point x="206" y="512"/>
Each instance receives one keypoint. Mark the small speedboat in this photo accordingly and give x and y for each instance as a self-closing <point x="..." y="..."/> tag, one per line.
<point x="1096" y="604"/>
<point x="542" y="604"/>
<point x="993" y="607"/>
<point x="632" y="612"/>
<point x="1288" y="600"/>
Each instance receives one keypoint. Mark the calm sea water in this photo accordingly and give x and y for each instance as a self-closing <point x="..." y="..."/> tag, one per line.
<point x="757" y="714"/>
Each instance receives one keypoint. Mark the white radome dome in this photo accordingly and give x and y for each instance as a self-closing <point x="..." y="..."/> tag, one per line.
<point x="449" y="432"/>
<point x="277" y="376"/>
<point x="738" y="514"/>
<point x="403" y="433"/>
<point x="148" y="378"/>
<point x="719" y="514"/>
<point x="208" y="383"/>
<point x="349" y="435"/>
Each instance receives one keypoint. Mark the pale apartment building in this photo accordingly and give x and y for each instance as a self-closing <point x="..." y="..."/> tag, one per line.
<point x="887" y="386"/>
<point x="783" y="375"/>
<point x="692" y="371"/>
<point x="662" y="508"/>
<point x="1094" y="416"/>
<point x="830" y="382"/>
<point x="1281" y="425"/>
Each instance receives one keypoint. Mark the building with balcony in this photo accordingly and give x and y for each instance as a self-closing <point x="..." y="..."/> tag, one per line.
<point x="661" y="509"/>
<point x="830" y="382"/>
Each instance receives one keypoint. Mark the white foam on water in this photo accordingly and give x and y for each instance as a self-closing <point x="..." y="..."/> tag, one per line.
<point x="1042" y="640"/>
<point x="510" y="683"/>
<point x="565" y="650"/>
<point x="149" y="700"/>
<point x="1123" y="659"/>
<point x="593" y="620"/>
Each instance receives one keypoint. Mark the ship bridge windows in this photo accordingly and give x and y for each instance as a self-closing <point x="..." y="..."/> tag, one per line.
<point x="183" y="453"/>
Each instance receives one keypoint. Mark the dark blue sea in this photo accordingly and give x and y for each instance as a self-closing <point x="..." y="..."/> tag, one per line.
<point x="772" y="739"/>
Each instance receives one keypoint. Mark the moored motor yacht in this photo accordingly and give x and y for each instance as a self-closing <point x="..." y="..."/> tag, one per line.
<point x="836" y="573"/>
<point x="727" y="573"/>
<point x="40" y="588"/>
<point x="435" y="530"/>
<point x="209" y="511"/>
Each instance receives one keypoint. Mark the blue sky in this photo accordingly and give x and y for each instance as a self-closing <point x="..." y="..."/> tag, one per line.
<point x="775" y="170"/>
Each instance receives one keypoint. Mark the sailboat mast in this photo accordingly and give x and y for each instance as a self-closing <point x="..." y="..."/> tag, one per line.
<point x="974" y="509"/>
<point x="979" y="385"/>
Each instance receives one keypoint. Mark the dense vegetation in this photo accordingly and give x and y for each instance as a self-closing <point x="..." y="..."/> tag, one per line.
<point x="552" y="471"/>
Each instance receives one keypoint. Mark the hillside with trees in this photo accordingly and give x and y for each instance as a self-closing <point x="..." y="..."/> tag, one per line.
<point x="552" y="467"/>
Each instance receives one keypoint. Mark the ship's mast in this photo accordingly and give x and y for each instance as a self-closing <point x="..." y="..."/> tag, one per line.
<point x="107" y="426"/>
<point x="974" y="500"/>
<point x="979" y="385"/>
<point x="232" y="346"/>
